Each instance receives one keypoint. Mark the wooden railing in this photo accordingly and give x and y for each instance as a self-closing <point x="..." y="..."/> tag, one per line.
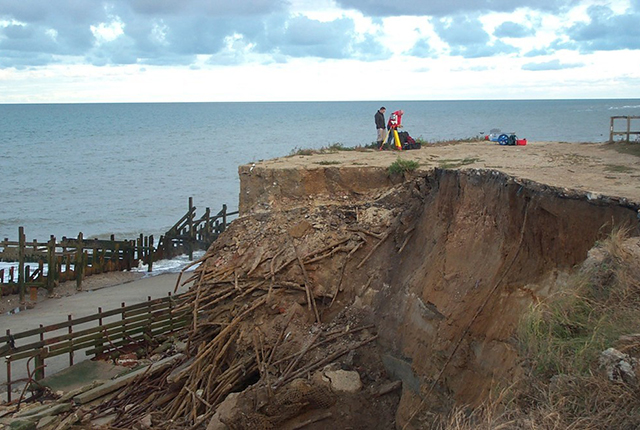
<point x="74" y="259"/>
<point x="108" y="331"/>
<point x="627" y="132"/>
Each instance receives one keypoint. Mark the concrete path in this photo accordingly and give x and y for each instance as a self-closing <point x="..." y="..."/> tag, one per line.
<point x="56" y="310"/>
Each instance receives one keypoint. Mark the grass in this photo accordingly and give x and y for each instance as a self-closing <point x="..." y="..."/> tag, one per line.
<point x="328" y="162"/>
<point x="616" y="168"/>
<point x="338" y="146"/>
<point x="631" y="148"/>
<point x="566" y="335"/>
<point x="560" y="341"/>
<point x="424" y="141"/>
<point x="401" y="166"/>
<point x="452" y="163"/>
<point x="331" y="149"/>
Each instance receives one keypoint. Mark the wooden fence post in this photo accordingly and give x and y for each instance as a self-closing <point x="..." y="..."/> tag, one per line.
<point x="70" y="318"/>
<point x="224" y="217"/>
<point x="207" y="225"/>
<point x="8" y="362"/>
<point x="79" y="265"/>
<point x="611" y="131"/>
<point x="21" y="249"/>
<point x="150" y="254"/>
<point x="192" y="233"/>
<point x="99" y="339"/>
<point x="39" y="359"/>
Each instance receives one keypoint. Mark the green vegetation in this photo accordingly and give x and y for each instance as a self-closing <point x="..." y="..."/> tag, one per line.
<point x="616" y="168"/>
<point x="328" y="162"/>
<point x="631" y="148"/>
<point x="452" y="163"/>
<point x="300" y="151"/>
<point x="443" y="142"/>
<point x="331" y="149"/>
<point x="566" y="335"/>
<point x="338" y="146"/>
<point x="402" y="166"/>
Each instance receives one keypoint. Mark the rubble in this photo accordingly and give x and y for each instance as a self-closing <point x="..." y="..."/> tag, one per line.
<point x="619" y="367"/>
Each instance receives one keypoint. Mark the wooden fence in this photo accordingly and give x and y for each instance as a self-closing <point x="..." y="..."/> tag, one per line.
<point x="626" y="132"/>
<point x="101" y="333"/>
<point x="191" y="233"/>
<point x="74" y="259"/>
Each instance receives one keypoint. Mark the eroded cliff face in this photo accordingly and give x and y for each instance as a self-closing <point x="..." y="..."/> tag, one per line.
<point x="448" y="261"/>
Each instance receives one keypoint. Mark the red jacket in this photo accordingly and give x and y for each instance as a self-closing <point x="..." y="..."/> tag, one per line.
<point x="395" y="120"/>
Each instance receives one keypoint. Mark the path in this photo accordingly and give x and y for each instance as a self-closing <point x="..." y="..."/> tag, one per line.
<point x="51" y="311"/>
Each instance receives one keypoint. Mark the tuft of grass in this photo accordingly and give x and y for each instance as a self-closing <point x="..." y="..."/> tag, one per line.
<point x="401" y="166"/>
<point x="443" y="142"/>
<point x="453" y="163"/>
<point x="300" y="151"/>
<point x="328" y="162"/>
<point x="617" y="168"/>
<point x="331" y="149"/>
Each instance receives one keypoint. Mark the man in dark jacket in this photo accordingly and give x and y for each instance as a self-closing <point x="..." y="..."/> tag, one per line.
<point x="380" y="127"/>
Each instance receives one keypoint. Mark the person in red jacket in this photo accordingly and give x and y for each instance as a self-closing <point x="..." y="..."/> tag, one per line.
<point x="395" y="122"/>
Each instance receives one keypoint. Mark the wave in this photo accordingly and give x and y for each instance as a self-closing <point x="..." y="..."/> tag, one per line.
<point x="624" y="107"/>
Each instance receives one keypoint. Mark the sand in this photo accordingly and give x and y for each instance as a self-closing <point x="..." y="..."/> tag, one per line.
<point x="107" y="290"/>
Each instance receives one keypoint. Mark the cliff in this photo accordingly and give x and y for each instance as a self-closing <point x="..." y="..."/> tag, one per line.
<point x="447" y="260"/>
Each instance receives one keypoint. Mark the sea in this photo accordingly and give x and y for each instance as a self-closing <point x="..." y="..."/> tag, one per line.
<point x="130" y="168"/>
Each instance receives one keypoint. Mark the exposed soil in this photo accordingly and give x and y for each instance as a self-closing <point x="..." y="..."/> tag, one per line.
<point x="450" y="260"/>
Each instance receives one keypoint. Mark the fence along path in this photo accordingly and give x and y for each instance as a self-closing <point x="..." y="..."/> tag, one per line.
<point x="101" y="334"/>
<point x="74" y="259"/>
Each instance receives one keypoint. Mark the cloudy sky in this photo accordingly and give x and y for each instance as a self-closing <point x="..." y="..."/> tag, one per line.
<point x="259" y="50"/>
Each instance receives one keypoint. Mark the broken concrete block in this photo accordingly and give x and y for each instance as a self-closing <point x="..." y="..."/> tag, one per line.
<point x="619" y="366"/>
<point x="22" y="425"/>
<point x="44" y="411"/>
<point x="224" y="411"/>
<point x="347" y="381"/>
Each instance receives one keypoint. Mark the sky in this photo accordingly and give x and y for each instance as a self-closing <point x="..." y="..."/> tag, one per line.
<point x="68" y="51"/>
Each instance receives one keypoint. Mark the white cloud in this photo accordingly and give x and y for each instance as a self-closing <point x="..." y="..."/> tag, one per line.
<point x="108" y="32"/>
<point x="210" y="50"/>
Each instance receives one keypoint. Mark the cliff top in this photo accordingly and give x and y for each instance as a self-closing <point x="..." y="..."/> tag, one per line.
<point x="599" y="168"/>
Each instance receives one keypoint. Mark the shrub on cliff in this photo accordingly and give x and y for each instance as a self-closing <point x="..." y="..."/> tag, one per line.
<point x="401" y="166"/>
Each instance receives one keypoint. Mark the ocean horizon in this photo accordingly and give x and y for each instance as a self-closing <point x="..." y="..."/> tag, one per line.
<point x="129" y="168"/>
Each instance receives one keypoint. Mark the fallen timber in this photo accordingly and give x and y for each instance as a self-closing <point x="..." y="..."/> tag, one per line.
<point x="226" y="349"/>
<point x="76" y="258"/>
